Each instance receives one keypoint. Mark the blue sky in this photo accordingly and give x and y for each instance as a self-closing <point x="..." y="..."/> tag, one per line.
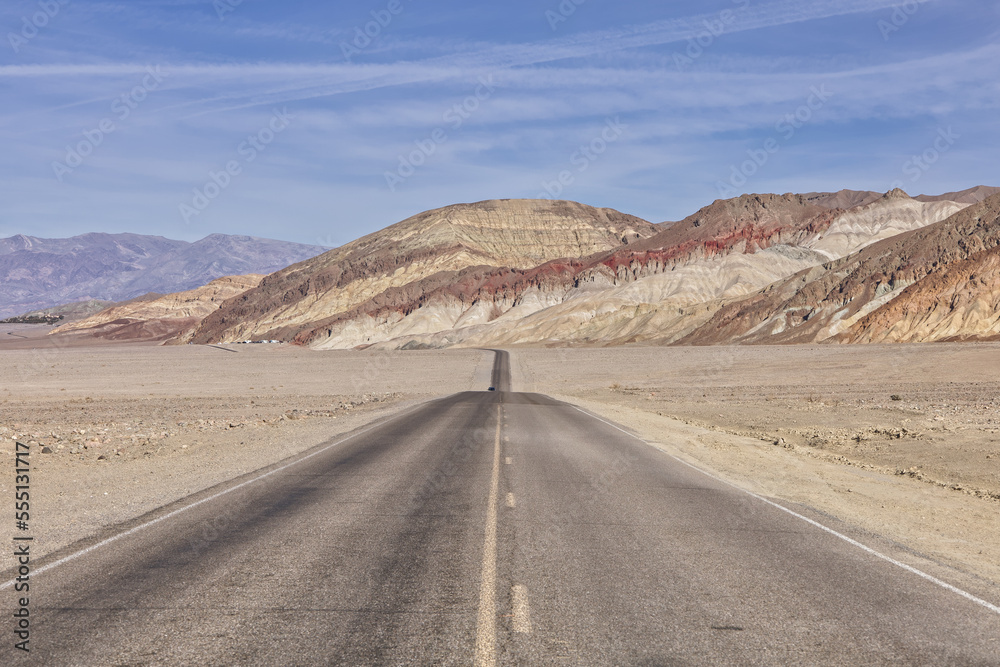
<point x="286" y="120"/>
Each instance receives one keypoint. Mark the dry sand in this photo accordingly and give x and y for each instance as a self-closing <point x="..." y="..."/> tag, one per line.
<point x="134" y="427"/>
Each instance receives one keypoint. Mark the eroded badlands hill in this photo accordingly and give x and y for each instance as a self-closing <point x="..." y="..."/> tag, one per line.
<point x="939" y="282"/>
<point x="432" y="246"/>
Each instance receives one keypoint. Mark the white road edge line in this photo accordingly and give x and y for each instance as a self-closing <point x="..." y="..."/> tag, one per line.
<point x="135" y="529"/>
<point x="522" y="613"/>
<point x="909" y="568"/>
<point x="486" y="622"/>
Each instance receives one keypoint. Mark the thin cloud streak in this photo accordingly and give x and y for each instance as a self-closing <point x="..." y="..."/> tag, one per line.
<point x="513" y="56"/>
<point x="452" y="66"/>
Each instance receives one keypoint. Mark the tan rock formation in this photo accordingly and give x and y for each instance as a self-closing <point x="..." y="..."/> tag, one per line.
<point x="170" y="317"/>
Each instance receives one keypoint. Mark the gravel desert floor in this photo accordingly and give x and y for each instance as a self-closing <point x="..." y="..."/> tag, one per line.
<point x="901" y="441"/>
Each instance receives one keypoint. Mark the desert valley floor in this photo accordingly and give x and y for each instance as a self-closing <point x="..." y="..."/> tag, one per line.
<point x="900" y="442"/>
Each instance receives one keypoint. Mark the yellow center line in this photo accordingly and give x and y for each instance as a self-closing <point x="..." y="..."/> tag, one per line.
<point x="486" y="625"/>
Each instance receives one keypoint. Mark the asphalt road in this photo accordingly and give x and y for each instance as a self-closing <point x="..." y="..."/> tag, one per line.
<point x="489" y="528"/>
<point x="500" y="378"/>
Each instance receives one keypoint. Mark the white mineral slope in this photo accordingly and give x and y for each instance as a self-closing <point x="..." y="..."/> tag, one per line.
<point x="894" y="214"/>
<point x="663" y="306"/>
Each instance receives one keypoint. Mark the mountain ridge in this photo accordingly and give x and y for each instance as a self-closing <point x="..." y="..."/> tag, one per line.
<point x="543" y="272"/>
<point x="38" y="273"/>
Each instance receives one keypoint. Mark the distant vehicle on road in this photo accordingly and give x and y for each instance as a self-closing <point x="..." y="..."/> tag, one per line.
<point x="492" y="389"/>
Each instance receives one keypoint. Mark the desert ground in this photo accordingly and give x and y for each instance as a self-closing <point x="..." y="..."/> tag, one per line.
<point x="900" y="441"/>
<point x="132" y="427"/>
